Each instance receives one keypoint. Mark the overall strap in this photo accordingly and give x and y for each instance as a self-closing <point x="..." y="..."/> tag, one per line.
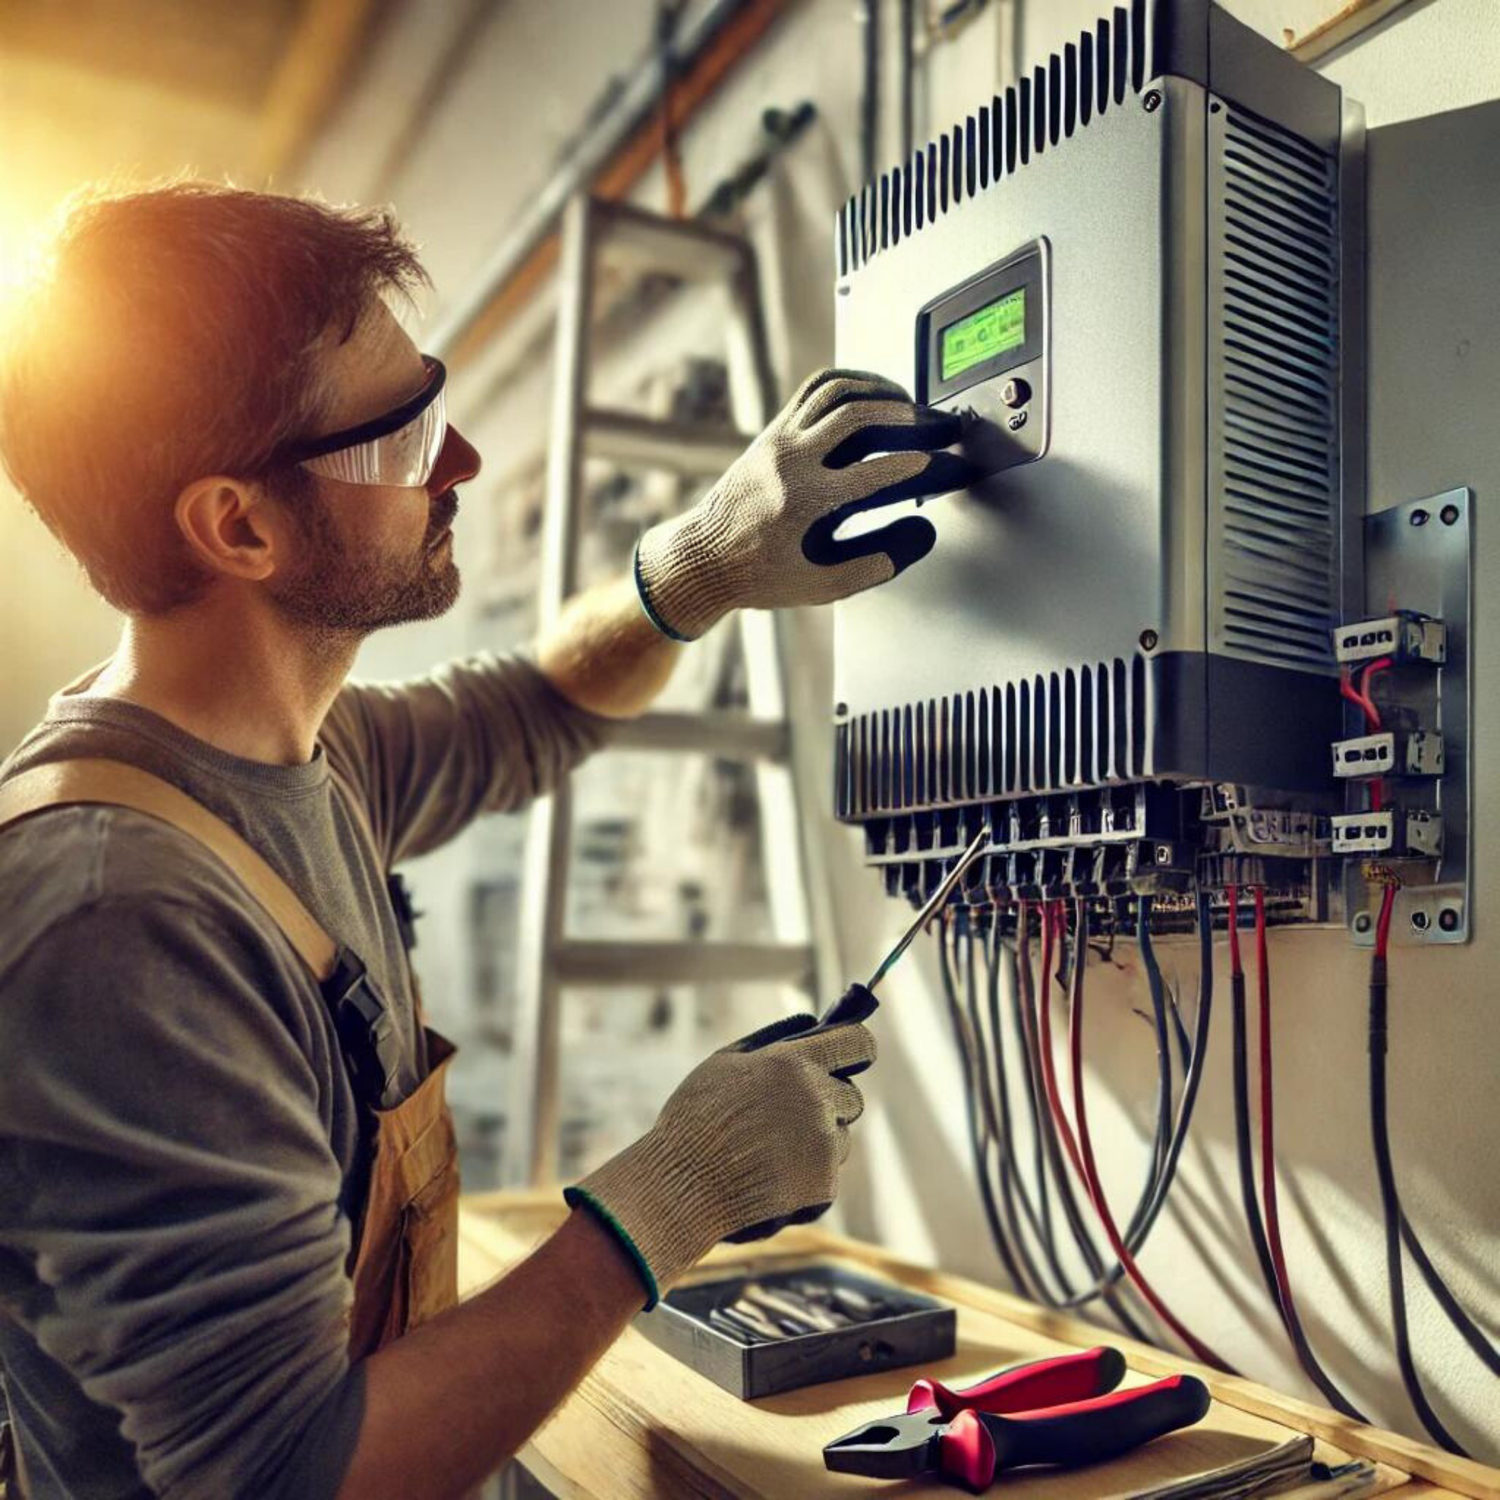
<point x="114" y="783"/>
<point x="370" y="1045"/>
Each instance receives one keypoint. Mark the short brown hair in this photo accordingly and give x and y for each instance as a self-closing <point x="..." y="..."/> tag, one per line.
<point x="174" y="335"/>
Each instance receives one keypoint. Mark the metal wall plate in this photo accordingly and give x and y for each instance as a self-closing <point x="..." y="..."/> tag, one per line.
<point x="1419" y="556"/>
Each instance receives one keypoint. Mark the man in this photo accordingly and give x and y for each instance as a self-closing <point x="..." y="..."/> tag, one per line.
<point x="203" y="1268"/>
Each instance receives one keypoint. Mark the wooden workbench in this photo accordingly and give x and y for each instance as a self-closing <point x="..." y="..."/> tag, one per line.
<point x="644" y="1427"/>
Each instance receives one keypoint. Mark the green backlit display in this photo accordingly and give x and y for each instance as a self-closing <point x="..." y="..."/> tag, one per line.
<point x="992" y="330"/>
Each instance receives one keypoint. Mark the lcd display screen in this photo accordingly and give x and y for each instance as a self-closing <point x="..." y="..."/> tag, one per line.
<point x="995" y="328"/>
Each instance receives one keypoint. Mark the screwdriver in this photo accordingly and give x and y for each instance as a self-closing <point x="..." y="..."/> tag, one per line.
<point x="856" y="1004"/>
<point x="858" y="1001"/>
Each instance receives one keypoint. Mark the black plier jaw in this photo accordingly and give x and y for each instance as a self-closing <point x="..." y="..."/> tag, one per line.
<point x="899" y="1447"/>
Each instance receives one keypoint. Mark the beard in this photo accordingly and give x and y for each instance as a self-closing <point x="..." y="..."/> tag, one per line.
<point x="336" y="590"/>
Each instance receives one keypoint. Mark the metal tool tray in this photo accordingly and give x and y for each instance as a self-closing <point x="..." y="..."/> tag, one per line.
<point x="918" y="1330"/>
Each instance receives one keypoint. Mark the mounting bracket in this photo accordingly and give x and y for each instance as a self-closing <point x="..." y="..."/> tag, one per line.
<point x="1419" y="556"/>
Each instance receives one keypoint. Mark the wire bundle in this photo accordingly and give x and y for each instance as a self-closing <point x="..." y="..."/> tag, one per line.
<point x="1016" y="1211"/>
<point x="1265" y="1232"/>
<point x="1021" y="1216"/>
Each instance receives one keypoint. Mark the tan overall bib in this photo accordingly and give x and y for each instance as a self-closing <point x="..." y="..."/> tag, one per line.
<point x="404" y="1261"/>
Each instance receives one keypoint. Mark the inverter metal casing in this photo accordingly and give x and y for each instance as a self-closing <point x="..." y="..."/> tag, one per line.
<point x="1147" y="594"/>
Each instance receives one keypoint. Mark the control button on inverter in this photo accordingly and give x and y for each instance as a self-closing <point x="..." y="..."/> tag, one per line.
<point x="1015" y="393"/>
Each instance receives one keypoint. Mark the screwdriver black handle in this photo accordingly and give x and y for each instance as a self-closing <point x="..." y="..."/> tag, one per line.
<point x="857" y="1003"/>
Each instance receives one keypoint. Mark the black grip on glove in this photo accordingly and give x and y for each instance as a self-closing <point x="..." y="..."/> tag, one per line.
<point x="904" y="541"/>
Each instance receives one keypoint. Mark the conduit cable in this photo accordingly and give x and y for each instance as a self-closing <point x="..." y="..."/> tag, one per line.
<point x="1386" y="1173"/>
<point x="1149" y="1211"/>
<point x="1286" y="1302"/>
<point x="981" y="1170"/>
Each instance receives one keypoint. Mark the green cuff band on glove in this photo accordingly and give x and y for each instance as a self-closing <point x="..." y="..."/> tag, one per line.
<point x="580" y="1197"/>
<point x="646" y="607"/>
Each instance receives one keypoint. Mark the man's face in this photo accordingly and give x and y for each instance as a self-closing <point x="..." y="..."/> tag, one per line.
<point x="373" y="555"/>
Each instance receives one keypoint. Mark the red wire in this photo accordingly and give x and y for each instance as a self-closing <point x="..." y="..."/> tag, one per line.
<point x="1268" y="1116"/>
<point x="1044" y="1034"/>
<point x="1372" y="712"/>
<point x="1089" y="1172"/>
<point x="1362" y="700"/>
<point x="1383" y="924"/>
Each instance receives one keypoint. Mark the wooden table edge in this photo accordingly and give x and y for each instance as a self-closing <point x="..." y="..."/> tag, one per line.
<point x="1435" y="1474"/>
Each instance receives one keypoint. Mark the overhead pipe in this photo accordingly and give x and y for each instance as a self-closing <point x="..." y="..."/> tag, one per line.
<point x="610" y="156"/>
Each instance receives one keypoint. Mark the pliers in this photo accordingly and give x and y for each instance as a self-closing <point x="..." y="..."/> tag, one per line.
<point x="1054" y="1411"/>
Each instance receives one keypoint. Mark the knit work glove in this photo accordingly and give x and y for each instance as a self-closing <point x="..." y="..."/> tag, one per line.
<point x="756" y="1131"/>
<point x="763" y="537"/>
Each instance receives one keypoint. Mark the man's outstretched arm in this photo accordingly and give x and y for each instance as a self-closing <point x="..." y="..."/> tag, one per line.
<point x="489" y="734"/>
<point x="765" y="537"/>
<point x="604" y="655"/>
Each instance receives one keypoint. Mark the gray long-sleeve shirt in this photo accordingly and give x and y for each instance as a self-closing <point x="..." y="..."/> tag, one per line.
<point x="178" y="1136"/>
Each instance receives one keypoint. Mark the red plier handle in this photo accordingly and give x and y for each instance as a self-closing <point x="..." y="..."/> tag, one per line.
<point x="1063" y="1412"/>
<point x="977" y="1445"/>
<point x="1029" y="1387"/>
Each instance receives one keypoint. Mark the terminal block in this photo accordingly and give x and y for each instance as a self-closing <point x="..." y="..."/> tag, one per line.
<point x="1407" y="635"/>
<point x="1395" y="832"/>
<point x="1391" y="753"/>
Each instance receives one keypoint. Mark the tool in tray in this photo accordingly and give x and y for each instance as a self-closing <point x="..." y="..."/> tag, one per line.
<point x="1063" y="1412"/>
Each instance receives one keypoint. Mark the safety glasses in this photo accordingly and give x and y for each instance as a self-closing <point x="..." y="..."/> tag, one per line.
<point x="400" y="448"/>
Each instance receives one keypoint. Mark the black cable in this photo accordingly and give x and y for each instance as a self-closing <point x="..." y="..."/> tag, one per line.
<point x="1391" y="1205"/>
<point x="1158" y="989"/>
<point x="1473" y="1335"/>
<point x="1249" y="1196"/>
<point x="1145" y="1220"/>
<point x="1040" y="1231"/>
<point x="1179" y="1026"/>
<point x="1285" y="1305"/>
<point x="990" y="1080"/>
<point x="1035" y="1107"/>
<point x="1024" y="998"/>
<point x="981" y="1168"/>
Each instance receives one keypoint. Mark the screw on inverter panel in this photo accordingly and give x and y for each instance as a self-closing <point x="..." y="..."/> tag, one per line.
<point x="1151" y="101"/>
<point x="1215" y="107"/>
<point x="1419" y="517"/>
<point x="1149" y="640"/>
<point x="1448" y="919"/>
<point x="1164" y="854"/>
<point x="1448" y="515"/>
<point x="1363" y="921"/>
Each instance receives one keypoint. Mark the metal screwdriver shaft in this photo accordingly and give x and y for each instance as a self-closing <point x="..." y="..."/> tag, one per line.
<point x="934" y="904"/>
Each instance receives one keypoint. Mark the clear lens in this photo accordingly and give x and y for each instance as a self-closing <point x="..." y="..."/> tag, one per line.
<point x="405" y="458"/>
